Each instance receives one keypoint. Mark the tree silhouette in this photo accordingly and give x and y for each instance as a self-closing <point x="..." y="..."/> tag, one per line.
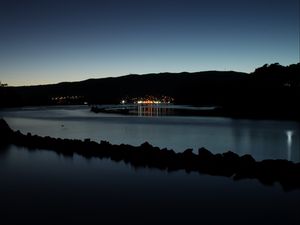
<point x="3" y="85"/>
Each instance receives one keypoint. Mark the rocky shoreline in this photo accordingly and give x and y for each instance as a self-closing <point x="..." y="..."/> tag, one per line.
<point x="228" y="164"/>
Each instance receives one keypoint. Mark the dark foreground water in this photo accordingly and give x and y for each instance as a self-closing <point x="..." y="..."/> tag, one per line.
<point x="42" y="187"/>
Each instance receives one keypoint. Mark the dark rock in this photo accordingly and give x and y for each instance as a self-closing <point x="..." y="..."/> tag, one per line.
<point x="247" y="159"/>
<point x="146" y="145"/>
<point x="4" y="128"/>
<point x="231" y="156"/>
<point x="188" y="152"/>
<point x="203" y="153"/>
<point x="227" y="164"/>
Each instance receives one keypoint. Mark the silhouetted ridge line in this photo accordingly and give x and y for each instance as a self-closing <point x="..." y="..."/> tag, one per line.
<point x="270" y="92"/>
<point x="227" y="164"/>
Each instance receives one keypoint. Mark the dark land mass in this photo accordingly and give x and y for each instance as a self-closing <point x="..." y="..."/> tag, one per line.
<point x="271" y="91"/>
<point x="227" y="164"/>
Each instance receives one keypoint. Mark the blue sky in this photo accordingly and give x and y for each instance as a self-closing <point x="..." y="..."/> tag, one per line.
<point x="46" y="41"/>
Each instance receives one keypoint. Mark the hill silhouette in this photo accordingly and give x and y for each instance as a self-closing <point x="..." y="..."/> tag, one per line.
<point x="270" y="91"/>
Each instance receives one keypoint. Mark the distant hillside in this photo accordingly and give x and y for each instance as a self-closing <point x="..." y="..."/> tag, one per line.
<point x="270" y="89"/>
<point x="189" y="88"/>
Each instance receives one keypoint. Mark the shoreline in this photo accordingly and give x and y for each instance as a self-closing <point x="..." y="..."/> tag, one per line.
<point x="228" y="164"/>
<point x="216" y="112"/>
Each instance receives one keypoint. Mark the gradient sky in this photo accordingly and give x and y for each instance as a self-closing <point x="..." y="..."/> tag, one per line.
<point x="45" y="41"/>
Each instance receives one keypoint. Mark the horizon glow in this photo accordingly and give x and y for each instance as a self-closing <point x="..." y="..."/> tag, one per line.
<point x="47" y="41"/>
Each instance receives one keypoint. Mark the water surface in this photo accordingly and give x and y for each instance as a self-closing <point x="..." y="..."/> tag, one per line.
<point x="41" y="187"/>
<point x="261" y="138"/>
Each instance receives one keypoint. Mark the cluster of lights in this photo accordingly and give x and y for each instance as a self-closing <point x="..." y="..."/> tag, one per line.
<point x="65" y="98"/>
<point x="149" y="100"/>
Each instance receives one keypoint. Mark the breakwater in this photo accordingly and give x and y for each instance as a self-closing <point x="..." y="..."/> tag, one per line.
<point x="227" y="164"/>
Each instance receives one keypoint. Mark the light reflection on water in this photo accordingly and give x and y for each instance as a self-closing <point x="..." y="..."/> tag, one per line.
<point x="153" y="110"/>
<point x="289" y="135"/>
<point x="262" y="139"/>
<point x="42" y="187"/>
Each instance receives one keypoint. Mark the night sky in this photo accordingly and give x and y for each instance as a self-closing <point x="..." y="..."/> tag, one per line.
<point x="52" y="41"/>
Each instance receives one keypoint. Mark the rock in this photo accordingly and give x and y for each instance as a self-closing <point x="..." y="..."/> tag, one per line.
<point x="5" y="132"/>
<point x="203" y="153"/>
<point x="231" y="156"/>
<point x="188" y="151"/>
<point x="146" y="145"/>
<point x="227" y="164"/>
<point x="247" y="159"/>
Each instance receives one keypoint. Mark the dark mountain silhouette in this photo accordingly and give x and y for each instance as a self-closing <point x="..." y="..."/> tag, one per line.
<point x="271" y="91"/>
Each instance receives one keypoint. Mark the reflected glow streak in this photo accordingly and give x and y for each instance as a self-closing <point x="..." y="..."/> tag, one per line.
<point x="289" y="135"/>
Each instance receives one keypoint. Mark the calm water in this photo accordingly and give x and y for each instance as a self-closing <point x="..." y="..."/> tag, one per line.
<point x="42" y="187"/>
<point x="261" y="139"/>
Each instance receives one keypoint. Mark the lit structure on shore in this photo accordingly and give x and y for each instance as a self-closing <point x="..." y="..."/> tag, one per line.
<point x="65" y="100"/>
<point x="149" y="100"/>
